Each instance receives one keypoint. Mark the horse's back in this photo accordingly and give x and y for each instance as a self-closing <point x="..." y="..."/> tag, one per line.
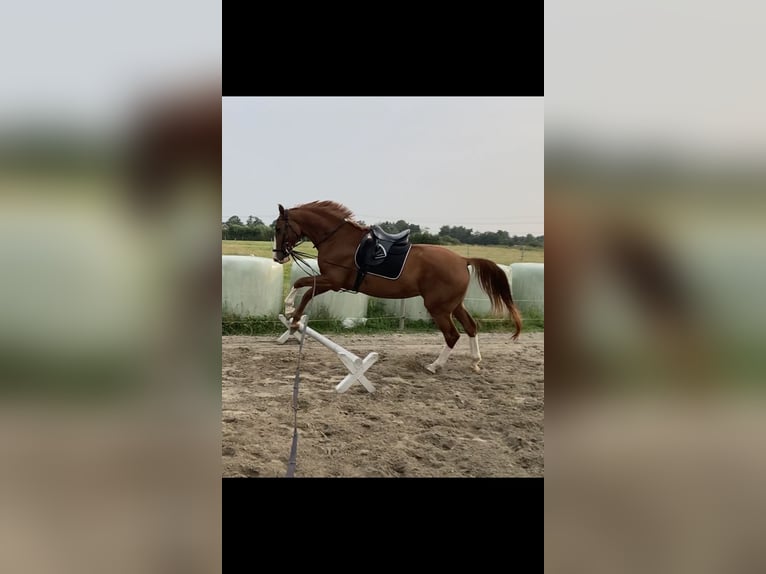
<point x="439" y="255"/>
<point x="437" y="263"/>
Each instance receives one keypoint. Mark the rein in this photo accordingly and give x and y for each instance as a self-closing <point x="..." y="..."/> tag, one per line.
<point x="331" y="233"/>
<point x="300" y="260"/>
<point x="299" y="257"/>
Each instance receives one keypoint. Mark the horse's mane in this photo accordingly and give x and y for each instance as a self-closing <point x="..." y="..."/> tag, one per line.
<point x="333" y="208"/>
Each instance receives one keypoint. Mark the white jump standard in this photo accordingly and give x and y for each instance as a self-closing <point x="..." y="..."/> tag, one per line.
<point x="355" y="365"/>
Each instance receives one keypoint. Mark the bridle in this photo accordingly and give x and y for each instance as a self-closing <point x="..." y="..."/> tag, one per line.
<point x="286" y="248"/>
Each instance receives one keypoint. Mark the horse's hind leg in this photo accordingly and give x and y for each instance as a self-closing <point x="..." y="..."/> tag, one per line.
<point x="462" y="315"/>
<point x="444" y="321"/>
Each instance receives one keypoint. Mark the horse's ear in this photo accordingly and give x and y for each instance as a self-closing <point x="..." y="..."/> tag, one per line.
<point x="281" y="209"/>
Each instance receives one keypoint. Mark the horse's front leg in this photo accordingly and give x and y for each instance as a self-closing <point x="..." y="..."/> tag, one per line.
<point x="290" y="302"/>
<point x="317" y="285"/>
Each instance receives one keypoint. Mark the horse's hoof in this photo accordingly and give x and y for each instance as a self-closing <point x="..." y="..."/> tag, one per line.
<point x="431" y="369"/>
<point x="477" y="368"/>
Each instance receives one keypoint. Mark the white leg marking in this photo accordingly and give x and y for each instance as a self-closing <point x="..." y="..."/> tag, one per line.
<point x="290" y="302"/>
<point x="475" y="353"/>
<point x="439" y="362"/>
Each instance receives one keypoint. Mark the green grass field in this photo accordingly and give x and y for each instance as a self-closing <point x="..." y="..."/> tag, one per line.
<point x="501" y="255"/>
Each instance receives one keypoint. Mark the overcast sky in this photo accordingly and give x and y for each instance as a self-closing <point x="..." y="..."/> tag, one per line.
<point x="678" y="73"/>
<point x="82" y="62"/>
<point x="476" y="162"/>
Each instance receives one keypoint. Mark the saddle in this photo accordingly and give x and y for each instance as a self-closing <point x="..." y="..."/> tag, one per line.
<point x="385" y="253"/>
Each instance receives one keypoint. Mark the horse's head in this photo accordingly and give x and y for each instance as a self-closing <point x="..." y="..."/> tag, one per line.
<point x="287" y="233"/>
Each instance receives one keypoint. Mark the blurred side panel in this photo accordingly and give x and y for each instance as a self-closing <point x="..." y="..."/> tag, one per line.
<point x="655" y="214"/>
<point x="110" y="182"/>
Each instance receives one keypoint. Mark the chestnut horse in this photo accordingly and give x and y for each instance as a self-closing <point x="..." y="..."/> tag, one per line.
<point x="437" y="274"/>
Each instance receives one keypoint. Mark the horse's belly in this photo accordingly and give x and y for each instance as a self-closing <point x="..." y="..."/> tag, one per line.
<point x="388" y="288"/>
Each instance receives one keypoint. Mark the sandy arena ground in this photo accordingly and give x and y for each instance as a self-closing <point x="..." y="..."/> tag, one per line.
<point x="457" y="423"/>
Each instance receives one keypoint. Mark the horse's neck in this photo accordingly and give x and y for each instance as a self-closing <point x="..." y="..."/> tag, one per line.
<point x="316" y="226"/>
<point x="326" y="229"/>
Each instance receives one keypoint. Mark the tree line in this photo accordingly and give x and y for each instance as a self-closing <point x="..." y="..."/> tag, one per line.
<point x="254" y="229"/>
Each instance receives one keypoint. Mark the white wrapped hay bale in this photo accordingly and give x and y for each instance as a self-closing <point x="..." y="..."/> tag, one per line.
<point x="528" y="287"/>
<point x="413" y="308"/>
<point x="251" y="286"/>
<point x="351" y="308"/>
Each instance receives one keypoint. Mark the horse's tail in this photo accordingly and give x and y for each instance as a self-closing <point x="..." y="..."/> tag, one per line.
<point x="494" y="282"/>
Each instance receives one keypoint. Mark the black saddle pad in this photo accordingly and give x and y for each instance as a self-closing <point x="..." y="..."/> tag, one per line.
<point x="373" y="260"/>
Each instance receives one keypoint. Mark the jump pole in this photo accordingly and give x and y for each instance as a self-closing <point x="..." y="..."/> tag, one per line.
<point x="356" y="366"/>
